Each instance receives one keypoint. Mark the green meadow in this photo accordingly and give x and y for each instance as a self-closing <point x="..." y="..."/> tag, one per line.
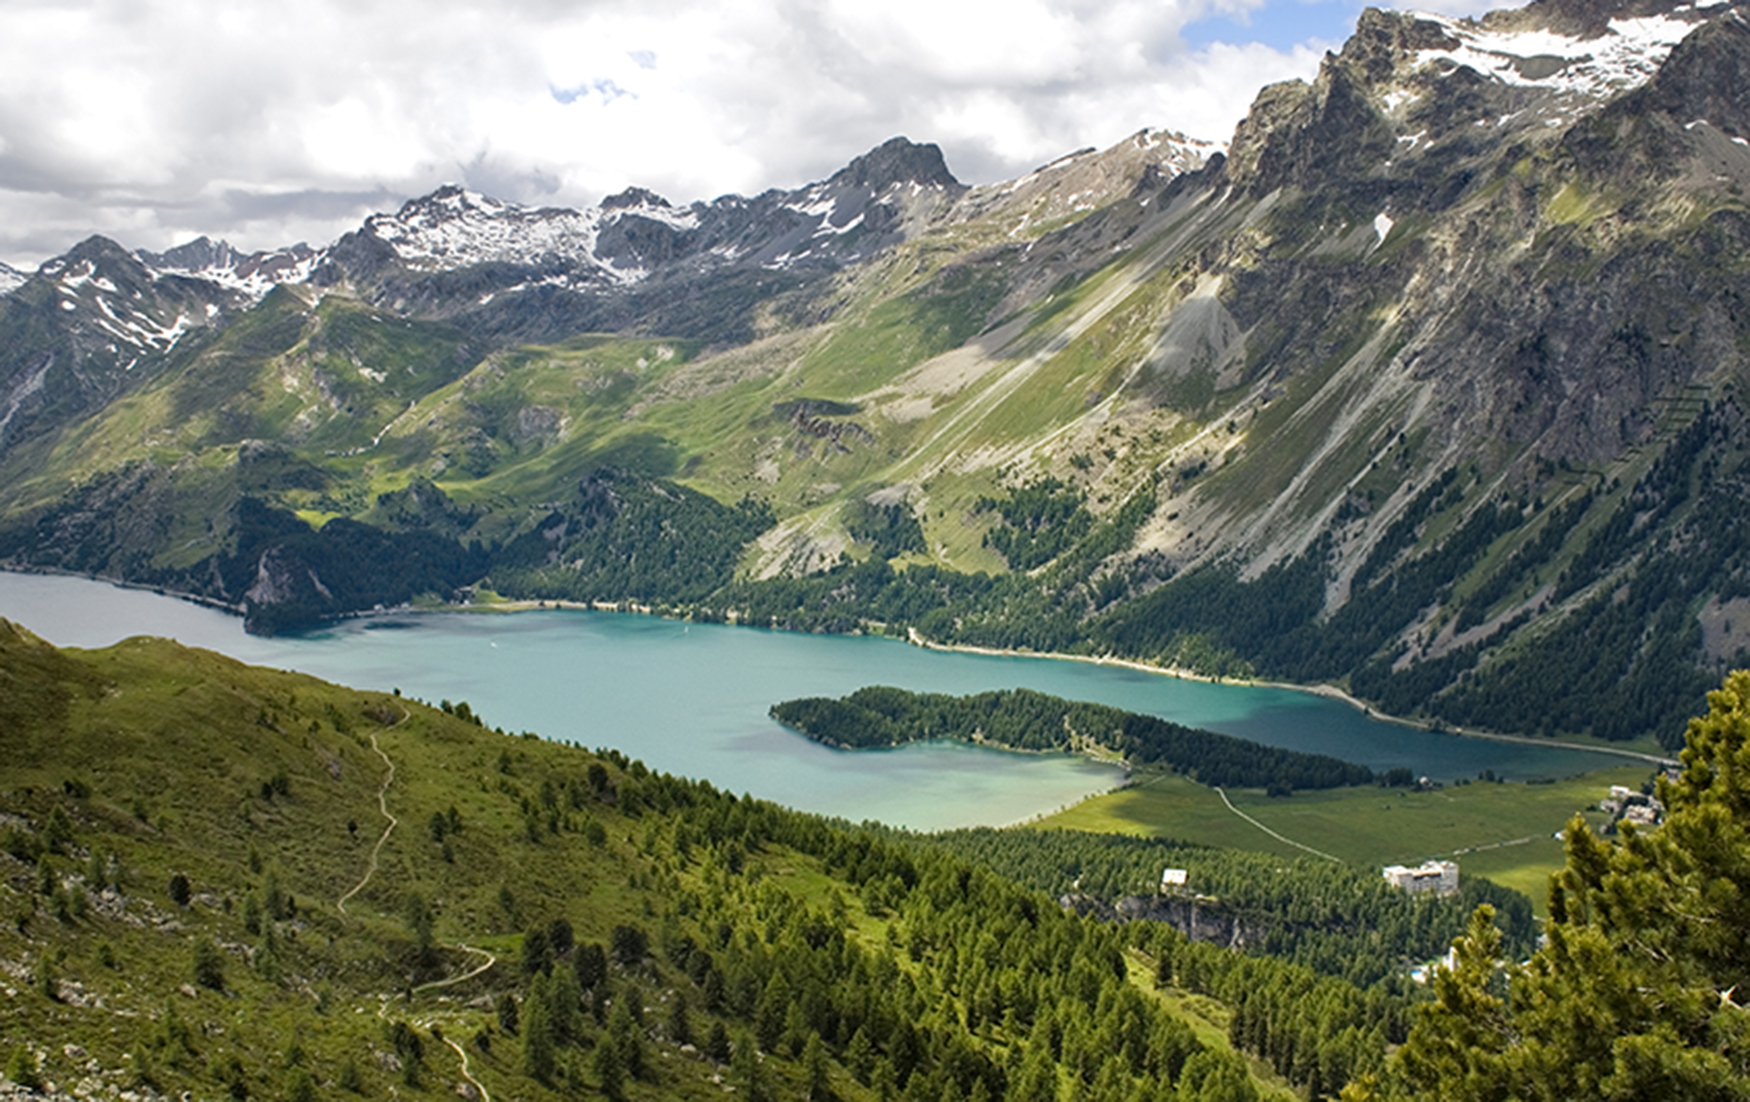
<point x="1505" y="832"/>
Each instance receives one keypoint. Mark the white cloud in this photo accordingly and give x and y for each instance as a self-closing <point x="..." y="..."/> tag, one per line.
<point x="267" y="123"/>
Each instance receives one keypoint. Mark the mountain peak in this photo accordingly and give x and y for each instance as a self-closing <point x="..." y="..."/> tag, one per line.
<point x="254" y="274"/>
<point x="635" y="197"/>
<point x="202" y="252"/>
<point x="898" y="161"/>
<point x="446" y="204"/>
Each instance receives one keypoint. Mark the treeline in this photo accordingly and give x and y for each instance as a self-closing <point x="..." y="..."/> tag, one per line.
<point x="1022" y="719"/>
<point x="1338" y="920"/>
<point x="888" y="530"/>
<point x="1040" y="521"/>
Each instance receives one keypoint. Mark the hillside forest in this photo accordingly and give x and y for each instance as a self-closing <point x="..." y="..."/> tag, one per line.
<point x="240" y="882"/>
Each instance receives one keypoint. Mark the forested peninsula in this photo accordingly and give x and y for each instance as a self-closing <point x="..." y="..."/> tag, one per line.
<point x="1022" y="719"/>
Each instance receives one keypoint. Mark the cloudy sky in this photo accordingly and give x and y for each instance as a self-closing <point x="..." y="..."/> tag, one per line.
<point x="154" y="121"/>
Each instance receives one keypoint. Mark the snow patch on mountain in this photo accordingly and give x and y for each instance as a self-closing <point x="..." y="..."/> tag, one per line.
<point x="251" y="275"/>
<point x="456" y="228"/>
<point x="11" y="279"/>
<point x="101" y="305"/>
<point x="1625" y="56"/>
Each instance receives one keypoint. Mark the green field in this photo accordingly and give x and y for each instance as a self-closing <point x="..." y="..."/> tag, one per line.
<point x="1502" y="831"/>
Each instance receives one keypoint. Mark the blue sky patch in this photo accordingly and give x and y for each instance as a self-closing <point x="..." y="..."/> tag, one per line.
<point x="607" y="90"/>
<point x="1279" y="24"/>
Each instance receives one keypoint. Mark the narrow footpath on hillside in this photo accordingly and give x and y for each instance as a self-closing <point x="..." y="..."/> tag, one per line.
<point x="485" y="1095"/>
<point x="461" y="977"/>
<point x="1272" y="833"/>
<point x="383" y="806"/>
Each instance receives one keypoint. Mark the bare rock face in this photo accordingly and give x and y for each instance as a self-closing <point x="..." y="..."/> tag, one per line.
<point x="1198" y="919"/>
<point x="1301" y="136"/>
<point x="280" y="579"/>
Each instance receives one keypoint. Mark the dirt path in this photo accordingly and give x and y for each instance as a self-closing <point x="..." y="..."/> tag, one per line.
<point x="383" y="806"/>
<point x="1272" y="833"/>
<point x="461" y="976"/>
<point x="485" y="1095"/>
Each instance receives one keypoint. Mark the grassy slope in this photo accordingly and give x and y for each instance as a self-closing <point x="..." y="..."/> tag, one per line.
<point x="158" y="754"/>
<point x="375" y="401"/>
<point x="1368" y="826"/>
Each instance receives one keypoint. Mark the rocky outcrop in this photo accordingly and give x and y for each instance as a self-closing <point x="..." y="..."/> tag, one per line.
<point x="1197" y="918"/>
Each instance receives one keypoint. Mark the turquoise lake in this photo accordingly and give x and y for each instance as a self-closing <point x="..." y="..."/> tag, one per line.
<point x="692" y="699"/>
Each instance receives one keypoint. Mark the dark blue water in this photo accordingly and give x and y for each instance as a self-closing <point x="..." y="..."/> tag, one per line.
<point x="692" y="699"/>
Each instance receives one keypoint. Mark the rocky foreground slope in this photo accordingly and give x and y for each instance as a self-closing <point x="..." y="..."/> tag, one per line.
<point x="1428" y="383"/>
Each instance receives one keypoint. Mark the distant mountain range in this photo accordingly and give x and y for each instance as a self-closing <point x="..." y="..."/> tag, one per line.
<point x="1429" y="383"/>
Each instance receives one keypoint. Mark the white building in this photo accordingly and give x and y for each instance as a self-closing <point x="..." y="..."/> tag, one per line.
<point x="1173" y="878"/>
<point x="1439" y="877"/>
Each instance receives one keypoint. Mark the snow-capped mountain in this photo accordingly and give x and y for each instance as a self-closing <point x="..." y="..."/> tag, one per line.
<point x="85" y="322"/>
<point x="538" y="271"/>
<point x="636" y="236"/>
<point x="251" y="274"/>
<point x="1089" y="178"/>
<point x="119" y="313"/>
<point x="453" y="228"/>
<point x="10" y="278"/>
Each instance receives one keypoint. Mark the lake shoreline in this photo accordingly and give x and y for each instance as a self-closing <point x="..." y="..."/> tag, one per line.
<point x="1329" y="692"/>
<point x="512" y="605"/>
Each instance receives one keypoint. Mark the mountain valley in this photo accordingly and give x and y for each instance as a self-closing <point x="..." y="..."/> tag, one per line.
<point x="1427" y="384"/>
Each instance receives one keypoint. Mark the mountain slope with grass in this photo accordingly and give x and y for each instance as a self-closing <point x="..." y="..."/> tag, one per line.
<point x="1428" y="384"/>
<point x="247" y="883"/>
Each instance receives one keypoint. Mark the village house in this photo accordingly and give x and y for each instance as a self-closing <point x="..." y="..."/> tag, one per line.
<point x="1439" y="877"/>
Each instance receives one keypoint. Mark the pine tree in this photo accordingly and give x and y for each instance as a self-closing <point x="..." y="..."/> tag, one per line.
<point x="300" y="1087"/>
<point x="745" y="1069"/>
<point x="625" y="1035"/>
<point x="538" y="1034"/>
<point x="416" y="914"/>
<point x="209" y="969"/>
<point x="860" y="1055"/>
<point x="717" y="1045"/>
<point x="21" y="1069"/>
<point x="590" y="962"/>
<point x="608" y="1069"/>
<point x="680" y="1024"/>
<point x="814" y="1069"/>
<point x="1641" y="990"/>
<point x="565" y="1001"/>
<point x="770" y="1014"/>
